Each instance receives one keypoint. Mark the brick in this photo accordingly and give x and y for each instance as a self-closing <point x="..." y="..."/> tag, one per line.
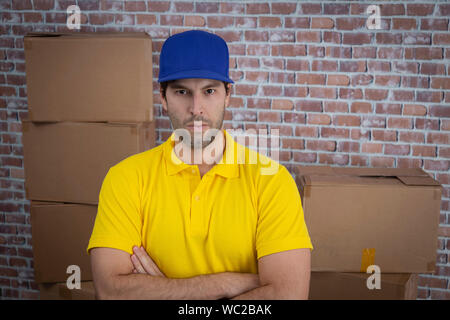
<point x="336" y="8"/>
<point x="369" y="121"/>
<point x="434" y="24"/>
<point x="392" y="9"/>
<point x="245" y="62"/>
<point x="335" y="106"/>
<point x="352" y="66"/>
<point x="353" y="94"/>
<point x="219" y="21"/>
<point x="194" y="21"/>
<point x="333" y="37"/>
<point x="375" y="94"/>
<point x="308" y="36"/>
<point x="434" y="165"/>
<point x="360" y="107"/>
<point x="426" y="124"/>
<point x="268" y="116"/>
<point x="396" y="149"/>
<point x="389" y="38"/>
<point x="308" y="105"/>
<point x="325" y="93"/>
<point x="438" y="138"/>
<point x="305" y="157"/>
<point x="21" y="5"/>
<point x="347" y="121"/>
<point x="440" y="83"/>
<point x="429" y="96"/>
<point x="445" y="124"/>
<point x="106" y="18"/>
<point x="439" y="111"/>
<point x="256" y="76"/>
<point x="272" y="90"/>
<point x="258" y="8"/>
<point x="324" y="65"/>
<point x="269" y="22"/>
<point x="296" y="92"/>
<point x="290" y="50"/>
<point x="384" y="135"/>
<point x="316" y="51"/>
<point x="409" y="163"/>
<point x="357" y="38"/>
<point x="340" y="159"/>
<point x="378" y="66"/>
<point x="387" y="81"/>
<point x="308" y="131"/>
<point x="206" y="7"/>
<point x="400" y="123"/>
<point x="424" y="53"/>
<point x="418" y="137"/>
<point x="414" y="110"/>
<point x="233" y="8"/>
<point x="405" y="67"/>
<point x="364" y="52"/>
<point x="444" y="152"/>
<point x="338" y="52"/>
<point x="359" y="161"/>
<point x="368" y="147"/>
<point x="348" y="146"/>
<point x="350" y="23"/>
<point x="293" y="144"/>
<point x="310" y="78"/>
<point x="320" y="145"/>
<point x="432" y="68"/>
<point x="362" y="79"/>
<point x="246" y="90"/>
<point x="230" y="36"/>
<point x="258" y="103"/>
<point x="423" y="151"/>
<point x="283" y="8"/>
<point x="135" y="6"/>
<point x="296" y="22"/>
<point x="415" y="82"/>
<point x="244" y="115"/>
<point x="310" y="8"/>
<point x="390" y="53"/>
<point x="327" y="132"/>
<point x="319" y="119"/>
<point x="403" y="24"/>
<point x="171" y="20"/>
<point x="338" y="80"/>
<point x="297" y="65"/>
<point x="413" y="9"/>
<point x="322" y="23"/>
<point x="282" y="104"/>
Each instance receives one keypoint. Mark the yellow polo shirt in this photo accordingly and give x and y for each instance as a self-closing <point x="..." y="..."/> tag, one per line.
<point x="236" y="213"/>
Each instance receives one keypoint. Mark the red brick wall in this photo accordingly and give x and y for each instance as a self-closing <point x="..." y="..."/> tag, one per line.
<point x="339" y="93"/>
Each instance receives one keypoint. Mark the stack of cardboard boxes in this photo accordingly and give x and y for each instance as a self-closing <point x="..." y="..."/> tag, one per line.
<point x="373" y="230"/>
<point x="90" y="100"/>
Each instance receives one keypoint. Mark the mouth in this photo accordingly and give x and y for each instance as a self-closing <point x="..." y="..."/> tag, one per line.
<point x="197" y="126"/>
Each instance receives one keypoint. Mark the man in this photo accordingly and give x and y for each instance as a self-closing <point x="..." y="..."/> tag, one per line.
<point x="170" y="227"/>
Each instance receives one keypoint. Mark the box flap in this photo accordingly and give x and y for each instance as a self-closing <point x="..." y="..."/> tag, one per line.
<point x="109" y="34"/>
<point x="343" y="175"/>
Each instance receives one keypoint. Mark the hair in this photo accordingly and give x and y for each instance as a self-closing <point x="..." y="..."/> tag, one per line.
<point x="164" y="85"/>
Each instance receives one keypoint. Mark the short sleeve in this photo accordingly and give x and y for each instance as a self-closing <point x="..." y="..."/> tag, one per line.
<point x="281" y="223"/>
<point x="118" y="223"/>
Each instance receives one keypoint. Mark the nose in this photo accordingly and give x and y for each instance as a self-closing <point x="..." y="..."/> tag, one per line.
<point x="196" y="105"/>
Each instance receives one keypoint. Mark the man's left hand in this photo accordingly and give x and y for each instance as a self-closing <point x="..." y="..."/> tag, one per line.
<point x="143" y="263"/>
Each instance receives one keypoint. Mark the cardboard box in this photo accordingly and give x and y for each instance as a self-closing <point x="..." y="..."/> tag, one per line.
<point x="67" y="161"/>
<point x="59" y="291"/>
<point x="357" y="217"/>
<point x="61" y="234"/>
<point x="353" y="286"/>
<point x="86" y="76"/>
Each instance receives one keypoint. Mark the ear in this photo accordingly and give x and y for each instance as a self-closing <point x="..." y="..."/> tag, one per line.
<point x="163" y="101"/>
<point x="228" y="96"/>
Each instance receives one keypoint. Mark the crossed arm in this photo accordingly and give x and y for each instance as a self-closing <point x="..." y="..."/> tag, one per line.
<point x="283" y="275"/>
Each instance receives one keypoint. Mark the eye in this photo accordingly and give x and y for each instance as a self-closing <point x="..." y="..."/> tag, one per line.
<point x="180" y="92"/>
<point x="210" y="91"/>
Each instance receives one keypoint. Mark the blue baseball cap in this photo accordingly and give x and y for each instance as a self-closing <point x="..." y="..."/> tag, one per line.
<point x="194" y="54"/>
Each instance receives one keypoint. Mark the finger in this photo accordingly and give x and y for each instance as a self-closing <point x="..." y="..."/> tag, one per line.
<point x="137" y="264"/>
<point x="152" y="264"/>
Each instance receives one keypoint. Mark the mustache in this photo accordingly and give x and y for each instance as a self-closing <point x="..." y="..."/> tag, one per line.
<point x="191" y="121"/>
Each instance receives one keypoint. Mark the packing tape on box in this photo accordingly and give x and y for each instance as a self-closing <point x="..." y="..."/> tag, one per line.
<point x="367" y="258"/>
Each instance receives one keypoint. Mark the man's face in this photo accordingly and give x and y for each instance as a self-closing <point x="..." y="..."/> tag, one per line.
<point x="196" y="101"/>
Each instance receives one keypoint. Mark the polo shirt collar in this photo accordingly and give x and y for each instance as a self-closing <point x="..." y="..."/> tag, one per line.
<point x="222" y="168"/>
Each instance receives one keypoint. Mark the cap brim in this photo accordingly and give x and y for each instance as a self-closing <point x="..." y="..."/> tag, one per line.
<point x="195" y="74"/>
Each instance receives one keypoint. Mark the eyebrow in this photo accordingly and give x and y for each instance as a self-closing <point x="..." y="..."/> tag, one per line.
<point x="209" y="85"/>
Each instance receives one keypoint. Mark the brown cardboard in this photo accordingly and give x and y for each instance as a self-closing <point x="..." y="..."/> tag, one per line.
<point x="362" y="216"/>
<point x="353" y="286"/>
<point x="59" y="291"/>
<point x="85" y="76"/>
<point x="67" y="161"/>
<point x="60" y="234"/>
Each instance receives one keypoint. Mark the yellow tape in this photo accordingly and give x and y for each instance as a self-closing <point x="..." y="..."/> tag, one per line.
<point x="367" y="258"/>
